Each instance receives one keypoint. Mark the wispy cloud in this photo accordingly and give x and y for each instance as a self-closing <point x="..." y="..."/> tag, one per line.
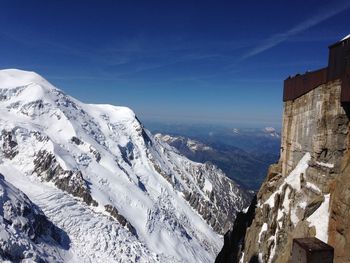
<point x="314" y="20"/>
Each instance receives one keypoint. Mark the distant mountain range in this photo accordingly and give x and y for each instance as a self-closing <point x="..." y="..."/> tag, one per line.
<point x="243" y="154"/>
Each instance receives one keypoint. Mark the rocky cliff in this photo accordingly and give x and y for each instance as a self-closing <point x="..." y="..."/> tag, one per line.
<point x="307" y="193"/>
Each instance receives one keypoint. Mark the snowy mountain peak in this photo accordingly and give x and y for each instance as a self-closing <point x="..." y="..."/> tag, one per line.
<point x="173" y="209"/>
<point x="272" y="132"/>
<point x="14" y="78"/>
<point x="26" y="86"/>
<point x="192" y="145"/>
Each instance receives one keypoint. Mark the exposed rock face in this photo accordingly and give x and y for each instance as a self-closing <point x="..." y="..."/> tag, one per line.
<point x="9" y="145"/>
<point x="307" y="193"/>
<point x="46" y="165"/>
<point x="234" y="239"/>
<point x="25" y="232"/>
<point x="339" y="227"/>
<point x="214" y="206"/>
<point x="121" y="219"/>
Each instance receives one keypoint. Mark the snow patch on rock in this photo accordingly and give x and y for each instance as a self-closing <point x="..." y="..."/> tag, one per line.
<point x="320" y="219"/>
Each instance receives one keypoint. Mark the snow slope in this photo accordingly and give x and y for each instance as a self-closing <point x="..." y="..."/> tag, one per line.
<point x="25" y="233"/>
<point x="92" y="236"/>
<point x="118" y="193"/>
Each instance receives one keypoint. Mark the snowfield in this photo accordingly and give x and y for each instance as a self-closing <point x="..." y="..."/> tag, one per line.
<point x="99" y="176"/>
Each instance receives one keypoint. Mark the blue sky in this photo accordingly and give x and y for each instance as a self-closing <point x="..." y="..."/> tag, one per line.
<point x="174" y="61"/>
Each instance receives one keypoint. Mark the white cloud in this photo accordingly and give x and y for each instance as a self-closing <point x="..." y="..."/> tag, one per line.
<point x="314" y="20"/>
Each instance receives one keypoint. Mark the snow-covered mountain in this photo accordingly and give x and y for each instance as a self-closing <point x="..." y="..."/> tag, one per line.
<point x="272" y="132"/>
<point x="99" y="176"/>
<point x="184" y="143"/>
<point x="246" y="168"/>
<point x="251" y="132"/>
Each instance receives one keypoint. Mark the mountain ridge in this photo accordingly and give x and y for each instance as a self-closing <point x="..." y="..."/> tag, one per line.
<point x="246" y="168"/>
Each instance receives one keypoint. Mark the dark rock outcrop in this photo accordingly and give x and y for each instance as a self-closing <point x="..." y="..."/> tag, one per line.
<point x="313" y="206"/>
<point x="9" y="145"/>
<point x="23" y="225"/>
<point x="47" y="167"/>
<point x="121" y="219"/>
<point x="234" y="239"/>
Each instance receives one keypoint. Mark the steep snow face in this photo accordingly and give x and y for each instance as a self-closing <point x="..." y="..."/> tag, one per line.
<point x="163" y="206"/>
<point x="87" y="237"/>
<point x="25" y="232"/>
